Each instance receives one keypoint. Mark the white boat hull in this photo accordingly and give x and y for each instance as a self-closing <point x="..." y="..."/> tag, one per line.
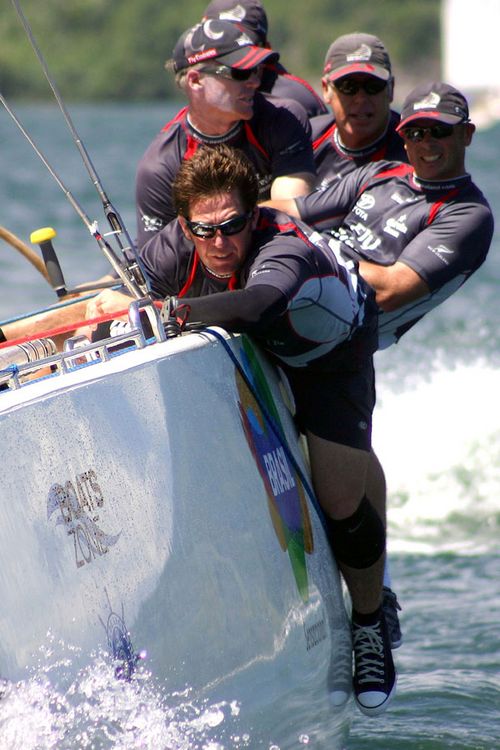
<point x="147" y="506"/>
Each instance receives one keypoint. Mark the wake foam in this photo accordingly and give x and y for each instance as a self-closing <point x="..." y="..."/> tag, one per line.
<point x="439" y="443"/>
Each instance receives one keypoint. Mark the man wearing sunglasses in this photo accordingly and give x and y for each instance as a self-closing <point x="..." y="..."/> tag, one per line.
<point x="358" y="86"/>
<point x="276" y="82"/>
<point x="218" y="67"/>
<point x="230" y="263"/>
<point x="418" y="231"/>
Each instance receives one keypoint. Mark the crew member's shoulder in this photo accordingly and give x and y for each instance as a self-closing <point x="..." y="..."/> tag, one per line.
<point x="395" y="149"/>
<point x="272" y="223"/>
<point x="321" y="125"/>
<point x="372" y="175"/>
<point x="475" y="193"/>
<point x="388" y="168"/>
<point x="394" y="119"/>
<point x="470" y="209"/>
<point x="171" y="133"/>
<point x="288" y="86"/>
<point x="169" y="240"/>
<point x="381" y="171"/>
<point x="271" y="109"/>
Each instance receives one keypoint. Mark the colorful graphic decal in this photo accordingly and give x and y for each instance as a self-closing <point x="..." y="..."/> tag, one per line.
<point x="284" y="489"/>
<point x="78" y="503"/>
<point x="120" y="644"/>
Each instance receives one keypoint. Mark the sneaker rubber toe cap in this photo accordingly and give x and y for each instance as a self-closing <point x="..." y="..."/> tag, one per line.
<point x="374" y="702"/>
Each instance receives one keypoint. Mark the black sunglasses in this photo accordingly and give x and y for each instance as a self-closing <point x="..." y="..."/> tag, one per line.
<point x="229" y="227"/>
<point x="350" y="86"/>
<point x="233" y="74"/>
<point x="417" y="134"/>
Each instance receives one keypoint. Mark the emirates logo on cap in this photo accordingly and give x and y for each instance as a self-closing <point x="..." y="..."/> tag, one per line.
<point x="364" y="52"/>
<point x="431" y="101"/>
<point x="201" y="56"/>
<point x="211" y="33"/>
<point x="238" y="13"/>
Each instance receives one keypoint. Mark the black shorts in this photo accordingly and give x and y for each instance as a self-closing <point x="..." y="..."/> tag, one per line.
<point x="336" y="405"/>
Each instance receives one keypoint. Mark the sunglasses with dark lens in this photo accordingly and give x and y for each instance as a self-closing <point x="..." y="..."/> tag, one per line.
<point x="227" y="228"/>
<point x="417" y="134"/>
<point x="233" y="74"/>
<point x="350" y="86"/>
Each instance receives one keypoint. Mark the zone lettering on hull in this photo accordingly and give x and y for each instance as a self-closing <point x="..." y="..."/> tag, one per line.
<point x="79" y="503"/>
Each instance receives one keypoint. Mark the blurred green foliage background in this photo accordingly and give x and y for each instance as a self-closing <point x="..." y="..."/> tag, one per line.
<point x="116" y="49"/>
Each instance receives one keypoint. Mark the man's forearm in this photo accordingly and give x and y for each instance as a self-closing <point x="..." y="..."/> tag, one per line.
<point x="394" y="285"/>
<point x="36" y="325"/>
<point x="293" y="185"/>
<point x="287" y="205"/>
<point x="244" y="310"/>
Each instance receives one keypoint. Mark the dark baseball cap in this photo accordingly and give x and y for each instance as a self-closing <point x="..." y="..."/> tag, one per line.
<point x="357" y="53"/>
<point x="250" y="13"/>
<point x="223" y="41"/>
<point x="434" y="101"/>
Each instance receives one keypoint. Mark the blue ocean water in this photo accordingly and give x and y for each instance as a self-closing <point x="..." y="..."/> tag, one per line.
<point x="437" y="432"/>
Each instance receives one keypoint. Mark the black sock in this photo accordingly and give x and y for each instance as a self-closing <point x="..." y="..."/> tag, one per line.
<point x="366" y="619"/>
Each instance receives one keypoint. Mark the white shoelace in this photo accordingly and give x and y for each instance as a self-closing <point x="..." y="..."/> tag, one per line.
<point x="368" y="653"/>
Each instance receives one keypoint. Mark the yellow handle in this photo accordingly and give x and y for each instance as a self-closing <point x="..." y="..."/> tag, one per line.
<point x="25" y="250"/>
<point x="42" y="235"/>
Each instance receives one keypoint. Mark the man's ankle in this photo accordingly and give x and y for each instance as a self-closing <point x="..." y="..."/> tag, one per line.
<point x="365" y="619"/>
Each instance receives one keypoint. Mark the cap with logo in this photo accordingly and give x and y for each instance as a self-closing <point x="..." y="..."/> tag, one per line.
<point x="434" y="101"/>
<point x="357" y="53"/>
<point x="223" y="41"/>
<point x="250" y="13"/>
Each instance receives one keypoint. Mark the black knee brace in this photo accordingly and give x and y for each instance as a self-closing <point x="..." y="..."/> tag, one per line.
<point x="357" y="541"/>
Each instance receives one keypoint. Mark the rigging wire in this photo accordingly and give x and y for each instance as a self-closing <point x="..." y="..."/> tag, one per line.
<point x="130" y="272"/>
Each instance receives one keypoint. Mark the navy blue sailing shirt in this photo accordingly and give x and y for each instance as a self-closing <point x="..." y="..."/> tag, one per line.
<point x="301" y="300"/>
<point x="333" y="160"/>
<point x="383" y="213"/>
<point x="277" y="140"/>
<point x="277" y="83"/>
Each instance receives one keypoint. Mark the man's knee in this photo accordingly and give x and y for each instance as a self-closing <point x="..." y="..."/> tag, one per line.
<point x="359" y="540"/>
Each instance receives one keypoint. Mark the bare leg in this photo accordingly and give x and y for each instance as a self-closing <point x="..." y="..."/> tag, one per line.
<point x="376" y="488"/>
<point x="340" y="475"/>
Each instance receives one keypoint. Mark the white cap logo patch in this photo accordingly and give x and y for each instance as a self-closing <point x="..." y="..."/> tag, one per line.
<point x="431" y="101"/>
<point x="364" y="52"/>
<point x="237" y="13"/>
<point x="207" y="28"/>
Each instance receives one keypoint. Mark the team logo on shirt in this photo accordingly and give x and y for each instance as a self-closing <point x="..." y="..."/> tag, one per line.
<point x="396" y="226"/>
<point x="363" y="205"/>
<point x="441" y="251"/>
<point x="294" y="148"/>
<point x="264" y="185"/>
<point x="400" y="199"/>
<point x="358" y="233"/>
<point x="152" y="223"/>
<point x="327" y="181"/>
<point x="366" y="201"/>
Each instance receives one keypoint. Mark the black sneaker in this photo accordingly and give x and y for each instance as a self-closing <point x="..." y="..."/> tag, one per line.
<point x="390" y="606"/>
<point x="374" y="671"/>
